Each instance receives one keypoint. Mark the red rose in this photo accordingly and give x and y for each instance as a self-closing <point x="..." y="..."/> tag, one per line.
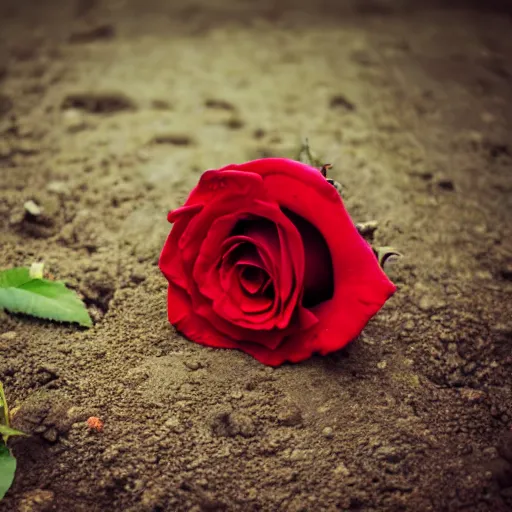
<point x="264" y="258"/>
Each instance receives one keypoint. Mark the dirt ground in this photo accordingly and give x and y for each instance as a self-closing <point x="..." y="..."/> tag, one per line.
<point x="110" y="111"/>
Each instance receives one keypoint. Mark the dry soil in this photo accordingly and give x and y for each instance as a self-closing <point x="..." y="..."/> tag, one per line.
<point x="110" y="111"/>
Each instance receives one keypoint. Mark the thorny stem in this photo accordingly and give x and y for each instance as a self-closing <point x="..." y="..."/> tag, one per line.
<point x="324" y="169"/>
<point x="306" y="156"/>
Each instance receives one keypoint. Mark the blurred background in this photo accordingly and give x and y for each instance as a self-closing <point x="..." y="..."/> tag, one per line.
<point x="109" y="113"/>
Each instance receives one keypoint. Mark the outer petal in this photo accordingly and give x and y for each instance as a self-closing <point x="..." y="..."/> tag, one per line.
<point x="216" y="185"/>
<point x="181" y="314"/>
<point x="170" y="262"/>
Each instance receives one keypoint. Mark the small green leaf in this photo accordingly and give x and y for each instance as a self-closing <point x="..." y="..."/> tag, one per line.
<point x="7" y="432"/>
<point x="4" y="410"/>
<point x="7" y="469"/>
<point x="19" y="293"/>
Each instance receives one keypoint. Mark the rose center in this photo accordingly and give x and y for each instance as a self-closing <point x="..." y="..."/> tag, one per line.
<point x="253" y="279"/>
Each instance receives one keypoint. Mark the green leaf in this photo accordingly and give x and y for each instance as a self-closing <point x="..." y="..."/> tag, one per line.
<point x="7" y="432"/>
<point x="7" y="469"/>
<point x="19" y="293"/>
<point x="14" y="277"/>
<point x="4" y="410"/>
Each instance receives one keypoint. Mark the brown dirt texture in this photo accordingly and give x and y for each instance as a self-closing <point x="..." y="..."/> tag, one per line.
<point x="109" y="113"/>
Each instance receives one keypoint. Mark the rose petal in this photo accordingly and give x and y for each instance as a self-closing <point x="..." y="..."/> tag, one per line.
<point x="182" y="316"/>
<point x="217" y="186"/>
<point x="205" y="272"/>
<point x="246" y="306"/>
<point x="318" y="273"/>
<point x="242" y="308"/>
<point x="170" y="262"/>
<point x="260" y="257"/>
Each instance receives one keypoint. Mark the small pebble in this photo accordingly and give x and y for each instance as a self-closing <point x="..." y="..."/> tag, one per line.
<point x="73" y="120"/>
<point x="241" y="424"/>
<point x="95" y="424"/>
<point x="51" y="435"/>
<point x="446" y="337"/>
<point x="137" y="277"/>
<point x="32" y="208"/>
<point x="471" y="395"/>
<point x="290" y="416"/>
<point x="172" y="423"/>
<point x="58" y="187"/>
<point x="341" y="469"/>
<point x="469" y="368"/>
<point x="428" y="303"/>
<point x="9" y="335"/>
<point x="299" y="454"/>
<point x="367" y="228"/>
<point x="409" y="325"/>
<point x="192" y="365"/>
<point x="485" y="275"/>
<point x="491" y="452"/>
<point x="328" y="433"/>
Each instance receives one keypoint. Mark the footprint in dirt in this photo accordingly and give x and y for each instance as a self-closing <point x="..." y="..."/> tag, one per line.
<point x="219" y="105"/>
<point x="99" y="102"/>
<point x="172" y="139"/>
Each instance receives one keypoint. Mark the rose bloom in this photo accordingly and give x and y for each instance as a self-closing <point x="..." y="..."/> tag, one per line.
<point x="264" y="258"/>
